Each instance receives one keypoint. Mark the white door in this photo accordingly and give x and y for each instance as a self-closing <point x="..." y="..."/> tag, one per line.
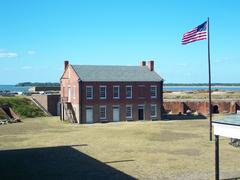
<point x="115" y="114"/>
<point x="89" y="115"/>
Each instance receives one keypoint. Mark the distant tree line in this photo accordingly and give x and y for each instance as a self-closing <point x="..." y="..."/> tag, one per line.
<point x="46" y="84"/>
<point x="51" y="84"/>
<point x="201" y="84"/>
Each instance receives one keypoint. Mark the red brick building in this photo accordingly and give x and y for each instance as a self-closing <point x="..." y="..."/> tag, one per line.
<point x="92" y="93"/>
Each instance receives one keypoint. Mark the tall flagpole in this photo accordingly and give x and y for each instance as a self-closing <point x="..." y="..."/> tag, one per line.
<point x="209" y="84"/>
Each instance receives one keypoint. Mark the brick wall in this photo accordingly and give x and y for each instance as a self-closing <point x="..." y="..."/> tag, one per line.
<point x="140" y="96"/>
<point x="201" y="107"/>
<point x="70" y="81"/>
<point x="49" y="101"/>
<point x="140" y="91"/>
<point x="122" y="109"/>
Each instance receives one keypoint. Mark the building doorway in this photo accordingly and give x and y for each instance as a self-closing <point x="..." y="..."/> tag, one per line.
<point x="237" y="109"/>
<point x="141" y="112"/>
<point x="215" y="109"/>
<point x="89" y="115"/>
<point x="116" y="113"/>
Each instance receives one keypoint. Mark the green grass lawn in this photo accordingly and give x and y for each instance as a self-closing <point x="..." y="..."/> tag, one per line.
<point x="23" y="106"/>
<point x="45" y="148"/>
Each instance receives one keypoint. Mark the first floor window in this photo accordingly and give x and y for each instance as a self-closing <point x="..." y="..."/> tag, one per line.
<point x="102" y="112"/>
<point x="153" y="110"/>
<point x="128" y="111"/>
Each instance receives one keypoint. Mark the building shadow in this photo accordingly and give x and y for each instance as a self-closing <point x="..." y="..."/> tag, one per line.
<point x="55" y="163"/>
<point x="235" y="178"/>
<point x="183" y="117"/>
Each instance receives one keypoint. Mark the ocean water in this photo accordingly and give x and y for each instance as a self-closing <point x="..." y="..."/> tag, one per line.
<point x="13" y="88"/>
<point x="195" y="88"/>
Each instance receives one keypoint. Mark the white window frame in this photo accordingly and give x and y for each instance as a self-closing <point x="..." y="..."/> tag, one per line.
<point x="155" y="107"/>
<point x="116" y="86"/>
<point x="91" y="92"/>
<point x="153" y="86"/>
<point x="129" y="117"/>
<point x="103" y="86"/>
<point x="105" y="107"/>
<point x="74" y="92"/>
<point x="69" y="93"/>
<point x="130" y="97"/>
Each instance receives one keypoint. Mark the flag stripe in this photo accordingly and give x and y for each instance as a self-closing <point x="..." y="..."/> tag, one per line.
<point x="193" y="40"/>
<point x="192" y="34"/>
<point x="196" y="34"/>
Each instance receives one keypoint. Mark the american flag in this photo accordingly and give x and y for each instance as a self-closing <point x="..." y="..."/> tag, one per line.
<point x="196" y="34"/>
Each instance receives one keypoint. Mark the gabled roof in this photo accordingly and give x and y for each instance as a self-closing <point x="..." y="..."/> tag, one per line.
<point x="115" y="73"/>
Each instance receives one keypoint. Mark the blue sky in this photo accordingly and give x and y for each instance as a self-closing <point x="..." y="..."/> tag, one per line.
<point x="37" y="36"/>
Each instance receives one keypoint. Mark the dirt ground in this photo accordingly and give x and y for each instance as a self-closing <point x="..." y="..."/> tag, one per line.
<point x="45" y="148"/>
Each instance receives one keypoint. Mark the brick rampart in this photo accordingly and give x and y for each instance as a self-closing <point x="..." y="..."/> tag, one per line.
<point x="201" y="106"/>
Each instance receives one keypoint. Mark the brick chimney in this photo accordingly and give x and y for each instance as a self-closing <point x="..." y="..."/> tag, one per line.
<point x="150" y="65"/>
<point x="66" y="64"/>
<point x="142" y="63"/>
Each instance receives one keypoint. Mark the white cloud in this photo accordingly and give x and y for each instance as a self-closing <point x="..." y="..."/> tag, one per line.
<point x="26" y="67"/>
<point x="31" y="52"/>
<point x="7" y="54"/>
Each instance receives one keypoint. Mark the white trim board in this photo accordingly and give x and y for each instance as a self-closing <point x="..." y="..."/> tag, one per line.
<point x="226" y="130"/>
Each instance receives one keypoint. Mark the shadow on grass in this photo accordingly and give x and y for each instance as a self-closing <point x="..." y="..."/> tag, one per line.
<point x="183" y="117"/>
<point x="110" y="162"/>
<point x="61" y="162"/>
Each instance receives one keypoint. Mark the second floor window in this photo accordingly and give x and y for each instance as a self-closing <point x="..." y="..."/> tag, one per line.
<point x="116" y="92"/>
<point x="153" y="91"/>
<point x="89" y="92"/>
<point x="129" y="92"/>
<point x="103" y="92"/>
